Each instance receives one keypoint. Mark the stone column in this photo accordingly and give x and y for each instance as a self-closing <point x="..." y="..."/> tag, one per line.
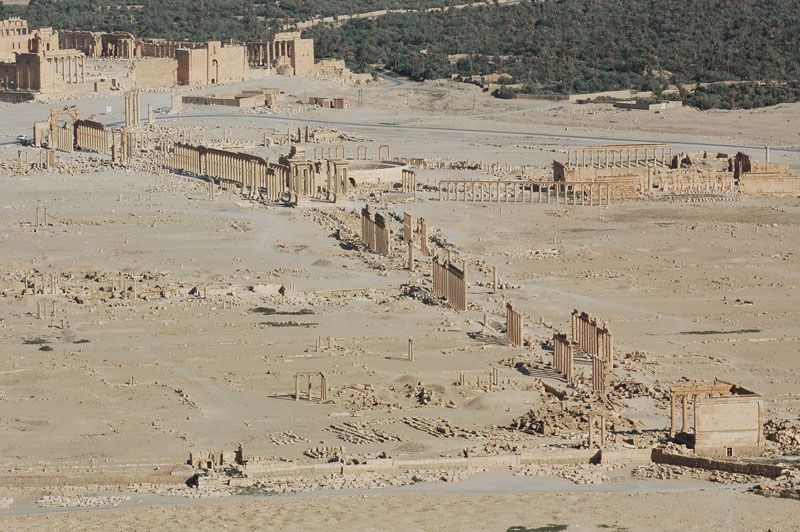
<point x="672" y="415"/>
<point x="684" y="414"/>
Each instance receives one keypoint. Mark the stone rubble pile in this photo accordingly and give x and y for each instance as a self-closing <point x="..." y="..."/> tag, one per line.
<point x="659" y="472"/>
<point x="723" y="477"/>
<point x="580" y="474"/>
<point x="60" y="501"/>
<point x="785" y="486"/>
<point x="630" y="389"/>
<point x="276" y="486"/>
<point x="785" y="433"/>
<point x="221" y="486"/>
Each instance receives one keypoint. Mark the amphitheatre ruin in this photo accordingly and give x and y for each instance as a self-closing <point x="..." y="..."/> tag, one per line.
<point x="235" y="275"/>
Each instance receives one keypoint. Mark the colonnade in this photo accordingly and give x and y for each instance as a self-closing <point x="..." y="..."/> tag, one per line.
<point x="375" y="233"/>
<point x="92" y="136"/>
<point x="266" y="53"/>
<point x="409" y="180"/>
<point x="422" y="231"/>
<point x="563" y="356"/>
<point x="621" y="156"/>
<point x="323" y="385"/>
<point x="256" y="176"/>
<point x="450" y="283"/>
<point x="133" y="109"/>
<point x="514" y="331"/>
<point x="596" y="341"/>
<point x="304" y="178"/>
<point x="495" y="191"/>
<point x="337" y="181"/>
<point x="71" y="68"/>
<point x="590" y="337"/>
<point x="329" y="152"/>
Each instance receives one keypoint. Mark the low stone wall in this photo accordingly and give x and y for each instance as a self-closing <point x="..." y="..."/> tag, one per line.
<point x="626" y="456"/>
<point x="507" y="95"/>
<point x="375" y="172"/>
<point x="179" y="475"/>
<point x="164" y="476"/>
<point x="743" y="468"/>
<point x="155" y="72"/>
<point x="540" y="457"/>
<point x="769" y="185"/>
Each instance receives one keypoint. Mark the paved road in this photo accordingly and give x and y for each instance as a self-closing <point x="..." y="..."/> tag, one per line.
<point x="487" y="482"/>
<point x="481" y="132"/>
<point x="345" y="17"/>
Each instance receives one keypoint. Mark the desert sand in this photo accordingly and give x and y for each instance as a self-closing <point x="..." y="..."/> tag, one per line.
<point x="704" y="290"/>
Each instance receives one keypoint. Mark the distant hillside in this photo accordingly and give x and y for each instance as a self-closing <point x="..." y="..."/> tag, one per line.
<point x="195" y="19"/>
<point x="547" y="46"/>
<point x="583" y="46"/>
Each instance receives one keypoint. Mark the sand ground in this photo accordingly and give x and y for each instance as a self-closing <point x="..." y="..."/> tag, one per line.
<point x="707" y="290"/>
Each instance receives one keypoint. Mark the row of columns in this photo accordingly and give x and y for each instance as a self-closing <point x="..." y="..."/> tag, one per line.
<point x="684" y="413"/>
<point x="267" y="53"/>
<point x="409" y="181"/>
<point x="133" y="109"/>
<point x="62" y="138"/>
<point x="576" y="193"/>
<point x="450" y="283"/>
<point x="563" y="356"/>
<point x="514" y="331"/>
<point x="71" y="69"/>
<point x="256" y="177"/>
<point x="303" y="178"/>
<point x="41" y="283"/>
<point x="628" y="156"/>
<point x="337" y="180"/>
<point x="375" y="233"/>
<point x="329" y="152"/>
<point x="590" y="337"/>
<point x="323" y="386"/>
<point x="47" y="160"/>
<point x="91" y="137"/>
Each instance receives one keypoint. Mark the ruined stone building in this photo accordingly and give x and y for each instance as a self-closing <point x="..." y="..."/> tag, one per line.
<point x="33" y="61"/>
<point x="120" y="45"/>
<point x="641" y="169"/>
<point x="287" y="53"/>
<point x="337" y="69"/>
<point x="244" y="99"/>
<point x="46" y="72"/>
<point x="728" y="419"/>
<point x="212" y="64"/>
<point x="763" y="178"/>
<point x="15" y="38"/>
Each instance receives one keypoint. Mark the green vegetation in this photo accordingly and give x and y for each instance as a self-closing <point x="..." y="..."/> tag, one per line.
<point x="546" y="528"/>
<point x="546" y="47"/>
<point x="746" y="95"/>
<point x="35" y="341"/>
<point x="738" y="331"/>
<point x="306" y="324"/>
<point x="195" y="19"/>
<point x="574" y="46"/>
<point x="233" y="472"/>
<point x="45" y="348"/>
<point x="269" y="311"/>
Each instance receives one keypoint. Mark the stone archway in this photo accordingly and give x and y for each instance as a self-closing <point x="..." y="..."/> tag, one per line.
<point x="62" y="128"/>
